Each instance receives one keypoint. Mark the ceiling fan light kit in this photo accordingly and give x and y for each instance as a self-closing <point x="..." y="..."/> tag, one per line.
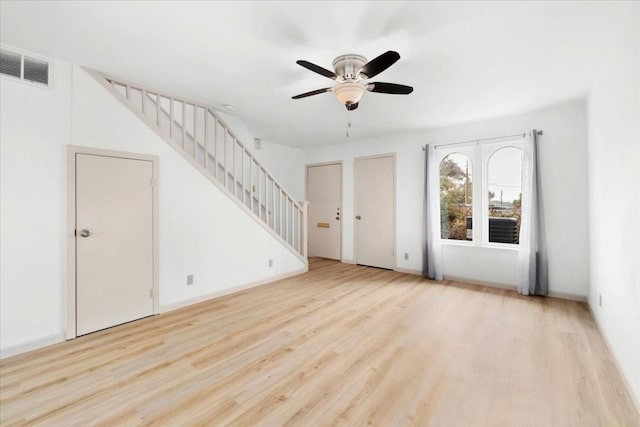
<point x="350" y="71"/>
<point x="348" y="93"/>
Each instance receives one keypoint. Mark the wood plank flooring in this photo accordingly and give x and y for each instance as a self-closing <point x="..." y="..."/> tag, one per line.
<point x="340" y="345"/>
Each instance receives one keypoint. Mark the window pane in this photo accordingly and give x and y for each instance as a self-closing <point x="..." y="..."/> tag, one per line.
<point x="456" y="192"/>
<point x="505" y="192"/>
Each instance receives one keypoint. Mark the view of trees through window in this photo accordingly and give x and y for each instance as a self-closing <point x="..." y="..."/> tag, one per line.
<point x="456" y="191"/>
<point x="505" y="194"/>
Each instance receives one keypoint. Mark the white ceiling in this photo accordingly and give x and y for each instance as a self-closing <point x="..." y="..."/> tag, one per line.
<point x="467" y="61"/>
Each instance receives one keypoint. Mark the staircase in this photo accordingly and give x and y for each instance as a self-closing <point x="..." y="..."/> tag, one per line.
<point x="196" y="132"/>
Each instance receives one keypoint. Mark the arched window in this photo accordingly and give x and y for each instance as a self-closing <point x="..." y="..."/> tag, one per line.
<point x="504" y="195"/>
<point x="456" y="193"/>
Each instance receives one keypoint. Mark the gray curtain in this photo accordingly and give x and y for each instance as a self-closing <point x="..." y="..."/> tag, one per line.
<point x="533" y="268"/>
<point x="431" y="249"/>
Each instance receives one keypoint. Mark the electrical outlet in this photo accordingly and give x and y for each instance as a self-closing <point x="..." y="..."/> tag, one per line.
<point x="270" y="263"/>
<point x="600" y="300"/>
<point x="406" y="255"/>
<point x="189" y="279"/>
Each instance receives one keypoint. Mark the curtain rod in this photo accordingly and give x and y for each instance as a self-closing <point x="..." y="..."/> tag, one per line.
<point x="521" y="135"/>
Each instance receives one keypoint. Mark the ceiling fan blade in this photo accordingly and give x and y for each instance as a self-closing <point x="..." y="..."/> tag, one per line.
<point x="313" y="92"/>
<point x="317" y="69"/>
<point x="392" y="88"/>
<point x="379" y="64"/>
<point x="351" y="107"/>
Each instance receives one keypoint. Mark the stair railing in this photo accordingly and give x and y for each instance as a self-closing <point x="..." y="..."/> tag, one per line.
<point x="201" y="136"/>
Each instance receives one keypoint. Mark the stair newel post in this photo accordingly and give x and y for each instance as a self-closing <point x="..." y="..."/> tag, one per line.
<point x="304" y="228"/>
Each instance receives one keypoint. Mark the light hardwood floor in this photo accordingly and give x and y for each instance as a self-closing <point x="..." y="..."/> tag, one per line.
<point x="340" y="345"/>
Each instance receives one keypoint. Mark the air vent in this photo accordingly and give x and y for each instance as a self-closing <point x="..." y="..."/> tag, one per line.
<point x="36" y="70"/>
<point x="24" y="67"/>
<point x="10" y="63"/>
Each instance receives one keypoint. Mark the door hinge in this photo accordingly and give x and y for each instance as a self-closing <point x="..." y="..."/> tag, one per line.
<point x="151" y="292"/>
<point x="75" y="233"/>
<point x="153" y="182"/>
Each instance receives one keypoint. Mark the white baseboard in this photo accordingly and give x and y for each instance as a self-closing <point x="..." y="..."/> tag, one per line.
<point x="409" y="271"/>
<point x="228" y="291"/>
<point x="607" y="344"/>
<point x="552" y="294"/>
<point x="571" y="297"/>
<point x="480" y="283"/>
<point x="32" y="345"/>
<point x="348" y="261"/>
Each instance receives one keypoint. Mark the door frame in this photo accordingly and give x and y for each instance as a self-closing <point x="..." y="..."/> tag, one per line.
<point x="306" y="197"/>
<point x="395" y="206"/>
<point x="72" y="150"/>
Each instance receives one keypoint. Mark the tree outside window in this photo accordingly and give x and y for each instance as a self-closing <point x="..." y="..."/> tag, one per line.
<point x="456" y="197"/>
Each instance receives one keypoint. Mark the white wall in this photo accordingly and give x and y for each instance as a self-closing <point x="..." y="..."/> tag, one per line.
<point x="563" y="173"/>
<point x="35" y="125"/>
<point x="614" y="179"/>
<point x="201" y="231"/>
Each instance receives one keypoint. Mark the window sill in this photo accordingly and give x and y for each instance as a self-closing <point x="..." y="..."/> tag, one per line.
<point x="503" y="246"/>
<point x="466" y="243"/>
<point x="470" y="244"/>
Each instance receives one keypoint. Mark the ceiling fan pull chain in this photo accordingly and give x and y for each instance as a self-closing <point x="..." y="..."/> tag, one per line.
<point x="348" y="122"/>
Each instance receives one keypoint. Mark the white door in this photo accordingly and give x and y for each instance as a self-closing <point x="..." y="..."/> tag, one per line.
<point x="324" y="195"/>
<point x="374" y="180"/>
<point x="114" y="241"/>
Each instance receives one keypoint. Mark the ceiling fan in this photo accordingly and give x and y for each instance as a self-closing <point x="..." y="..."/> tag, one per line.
<point x="350" y="71"/>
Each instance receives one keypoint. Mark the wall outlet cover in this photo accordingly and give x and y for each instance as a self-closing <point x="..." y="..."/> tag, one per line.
<point x="189" y="279"/>
<point x="270" y="263"/>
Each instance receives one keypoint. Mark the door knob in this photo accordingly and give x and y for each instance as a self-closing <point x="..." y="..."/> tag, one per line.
<point x="338" y="218"/>
<point x="358" y="217"/>
<point x="85" y="232"/>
